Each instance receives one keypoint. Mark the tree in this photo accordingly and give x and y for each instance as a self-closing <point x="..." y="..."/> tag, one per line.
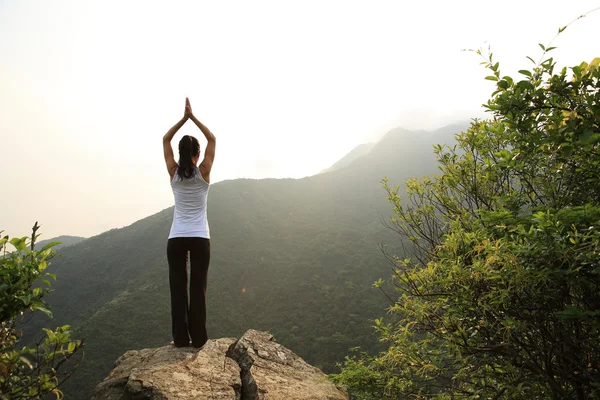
<point x="499" y="297"/>
<point x="29" y="372"/>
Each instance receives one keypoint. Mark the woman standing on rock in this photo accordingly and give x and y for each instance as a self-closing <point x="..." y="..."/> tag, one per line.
<point x="189" y="232"/>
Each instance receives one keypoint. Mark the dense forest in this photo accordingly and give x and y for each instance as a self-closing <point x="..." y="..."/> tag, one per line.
<point x="295" y="257"/>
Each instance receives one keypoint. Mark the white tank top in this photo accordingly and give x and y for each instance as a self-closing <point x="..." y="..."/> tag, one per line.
<point x="189" y="218"/>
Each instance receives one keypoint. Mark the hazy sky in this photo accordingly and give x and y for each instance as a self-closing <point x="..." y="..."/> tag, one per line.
<point x="88" y="89"/>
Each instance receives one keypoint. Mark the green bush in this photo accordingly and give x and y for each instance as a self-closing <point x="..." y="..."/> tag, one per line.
<point x="29" y="372"/>
<point x="499" y="299"/>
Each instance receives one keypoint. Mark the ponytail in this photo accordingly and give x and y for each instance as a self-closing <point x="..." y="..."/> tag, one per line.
<point x="189" y="147"/>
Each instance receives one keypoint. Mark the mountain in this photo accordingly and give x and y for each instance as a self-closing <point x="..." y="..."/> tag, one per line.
<point x="355" y="154"/>
<point x="65" y="240"/>
<point x="295" y="257"/>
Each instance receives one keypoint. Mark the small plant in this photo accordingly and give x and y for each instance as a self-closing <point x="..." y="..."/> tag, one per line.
<point x="29" y="372"/>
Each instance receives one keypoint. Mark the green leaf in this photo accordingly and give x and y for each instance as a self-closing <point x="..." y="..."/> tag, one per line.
<point x="542" y="46"/>
<point x="491" y="78"/>
<point x="590" y="138"/>
<point x="19" y="243"/>
<point x="50" y="333"/>
<point x="49" y="245"/>
<point x="562" y="29"/>
<point x="586" y="135"/>
<point x="524" y="84"/>
<point x="525" y="72"/>
<point x="44" y="310"/>
<point x="27" y="359"/>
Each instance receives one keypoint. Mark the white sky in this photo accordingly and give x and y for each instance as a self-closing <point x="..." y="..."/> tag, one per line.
<point x="88" y="89"/>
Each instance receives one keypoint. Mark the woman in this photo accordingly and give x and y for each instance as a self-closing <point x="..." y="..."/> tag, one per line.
<point x="189" y="232"/>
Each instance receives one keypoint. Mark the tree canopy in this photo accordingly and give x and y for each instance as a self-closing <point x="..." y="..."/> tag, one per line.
<point x="499" y="298"/>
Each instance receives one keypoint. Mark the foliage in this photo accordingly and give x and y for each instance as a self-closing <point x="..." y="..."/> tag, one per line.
<point x="29" y="372"/>
<point x="500" y="297"/>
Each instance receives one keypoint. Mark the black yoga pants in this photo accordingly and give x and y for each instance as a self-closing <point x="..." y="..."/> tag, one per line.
<point x="188" y="319"/>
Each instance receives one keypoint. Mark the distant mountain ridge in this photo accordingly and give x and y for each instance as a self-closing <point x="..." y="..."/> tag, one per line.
<point x="65" y="240"/>
<point x="356" y="153"/>
<point x="296" y="257"/>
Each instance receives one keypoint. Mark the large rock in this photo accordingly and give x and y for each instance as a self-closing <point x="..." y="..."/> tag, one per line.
<point x="271" y="371"/>
<point x="251" y="368"/>
<point x="182" y="373"/>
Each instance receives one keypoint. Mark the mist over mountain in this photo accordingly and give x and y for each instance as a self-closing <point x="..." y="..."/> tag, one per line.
<point x="295" y="257"/>
<point x="355" y="154"/>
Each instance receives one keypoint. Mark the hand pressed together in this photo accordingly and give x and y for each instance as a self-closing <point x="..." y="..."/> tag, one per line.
<point x="188" y="109"/>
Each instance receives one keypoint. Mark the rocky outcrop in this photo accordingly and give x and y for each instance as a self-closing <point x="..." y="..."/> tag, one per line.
<point x="251" y="368"/>
<point x="271" y="371"/>
<point x="174" y="373"/>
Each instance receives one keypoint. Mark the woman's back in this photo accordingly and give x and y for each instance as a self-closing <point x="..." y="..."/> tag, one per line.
<point x="190" y="215"/>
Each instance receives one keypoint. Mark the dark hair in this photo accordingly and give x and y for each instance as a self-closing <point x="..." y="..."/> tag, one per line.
<point x="188" y="148"/>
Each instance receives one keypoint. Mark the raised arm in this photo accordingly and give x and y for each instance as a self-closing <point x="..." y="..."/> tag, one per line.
<point x="209" y="153"/>
<point x="167" y="149"/>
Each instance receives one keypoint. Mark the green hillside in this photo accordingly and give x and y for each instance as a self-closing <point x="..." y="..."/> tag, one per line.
<point x="294" y="257"/>
<point x="65" y="240"/>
